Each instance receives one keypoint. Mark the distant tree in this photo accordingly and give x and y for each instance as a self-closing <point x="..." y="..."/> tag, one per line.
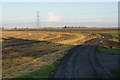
<point x="65" y="27"/>
<point x="15" y="27"/>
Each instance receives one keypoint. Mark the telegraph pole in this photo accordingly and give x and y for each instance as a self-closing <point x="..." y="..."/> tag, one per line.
<point x="38" y="21"/>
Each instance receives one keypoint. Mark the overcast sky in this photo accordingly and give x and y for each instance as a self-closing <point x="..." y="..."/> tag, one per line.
<point x="96" y="14"/>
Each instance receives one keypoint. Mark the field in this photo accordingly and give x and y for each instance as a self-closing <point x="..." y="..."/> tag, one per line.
<point x="29" y="51"/>
<point x="114" y="33"/>
<point x="45" y="72"/>
<point x="26" y="51"/>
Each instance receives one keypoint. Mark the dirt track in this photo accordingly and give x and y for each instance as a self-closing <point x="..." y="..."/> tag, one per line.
<point x="97" y="41"/>
<point x="85" y="62"/>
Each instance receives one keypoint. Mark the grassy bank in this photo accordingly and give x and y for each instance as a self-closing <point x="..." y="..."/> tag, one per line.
<point x="108" y="50"/>
<point x="115" y="37"/>
<point x="97" y="35"/>
<point x="45" y="72"/>
<point x="116" y="71"/>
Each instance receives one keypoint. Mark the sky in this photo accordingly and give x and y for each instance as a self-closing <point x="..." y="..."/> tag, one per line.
<point x="59" y="14"/>
<point x="59" y="1"/>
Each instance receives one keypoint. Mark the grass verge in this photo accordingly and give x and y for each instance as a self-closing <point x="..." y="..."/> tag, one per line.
<point x="114" y="39"/>
<point x="45" y="72"/>
<point x="97" y="35"/>
<point x="116" y="71"/>
<point x="108" y="50"/>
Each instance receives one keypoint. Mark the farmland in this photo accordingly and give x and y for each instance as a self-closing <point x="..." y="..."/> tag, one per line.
<point x="26" y="51"/>
<point x="113" y="32"/>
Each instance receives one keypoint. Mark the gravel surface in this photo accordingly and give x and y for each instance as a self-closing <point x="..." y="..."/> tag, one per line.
<point x="85" y="62"/>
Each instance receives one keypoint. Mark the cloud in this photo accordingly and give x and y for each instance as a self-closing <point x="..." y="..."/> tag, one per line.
<point x="99" y="20"/>
<point x="89" y="21"/>
<point x="51" y="17"/>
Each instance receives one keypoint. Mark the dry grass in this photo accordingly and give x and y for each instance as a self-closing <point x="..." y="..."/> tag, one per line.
<point x="25" y="51"/>
<point x="55" y="37"/>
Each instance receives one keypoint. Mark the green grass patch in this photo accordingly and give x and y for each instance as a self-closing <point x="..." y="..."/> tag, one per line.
<point x="116" y="71"/>
<point x="45" y="72"/>
<point x="114" y="39"/>
<point x="97" y="35"/>
<point x="108" y="50"/>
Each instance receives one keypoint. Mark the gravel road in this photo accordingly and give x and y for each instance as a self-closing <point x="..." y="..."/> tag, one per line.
<point x="85" y="62"/>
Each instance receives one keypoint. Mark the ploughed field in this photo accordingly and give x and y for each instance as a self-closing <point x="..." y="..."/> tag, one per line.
<point x="26" y="51"/>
